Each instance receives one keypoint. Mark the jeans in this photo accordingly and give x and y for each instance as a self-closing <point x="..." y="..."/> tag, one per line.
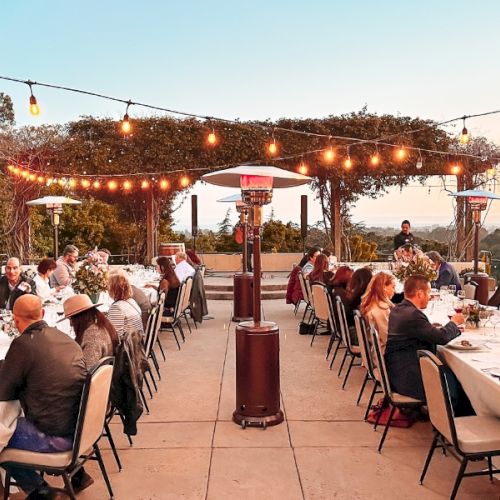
<point x="28" y="437"/>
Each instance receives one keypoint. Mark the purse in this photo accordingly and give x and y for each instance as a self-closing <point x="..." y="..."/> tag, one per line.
<point x="306" y="328"/>
<point x="399" y="419"/>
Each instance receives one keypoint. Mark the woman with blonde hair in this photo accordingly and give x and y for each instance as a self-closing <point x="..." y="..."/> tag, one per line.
<point x="376" y="303"/>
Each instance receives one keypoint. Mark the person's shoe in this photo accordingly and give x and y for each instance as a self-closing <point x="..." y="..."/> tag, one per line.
<point x="42" y="493"/>
<point x="81" y="481"/>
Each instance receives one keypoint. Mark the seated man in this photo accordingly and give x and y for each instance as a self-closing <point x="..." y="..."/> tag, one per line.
<point x="65" y="271"/>
<point x="183" y="270"/>
<point x="447" y="274"/>
<point x="14" y="284"/>
<point x="409" y="331"/>
<point x="44" y="369"/>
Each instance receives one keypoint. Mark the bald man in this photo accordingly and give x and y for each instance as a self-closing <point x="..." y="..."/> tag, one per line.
<point x="44" y="369"/>
<point x="14" y="284"/>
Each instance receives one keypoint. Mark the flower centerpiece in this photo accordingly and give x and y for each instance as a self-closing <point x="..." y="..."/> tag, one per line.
<point x="418" y="264"/>
<point x="91" y="277"/>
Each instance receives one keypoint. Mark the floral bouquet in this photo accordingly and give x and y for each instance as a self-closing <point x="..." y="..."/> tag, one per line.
<point x="419" y="264"/>
<point x="91" y="277"/>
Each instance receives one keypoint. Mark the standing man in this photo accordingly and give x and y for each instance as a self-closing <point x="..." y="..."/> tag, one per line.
<point x="44" y="369"/>
<point x="65" y="271"/>
<point x="404" y="237"/>
<point x="14" y="284"/>
<point x="183" y="269"/>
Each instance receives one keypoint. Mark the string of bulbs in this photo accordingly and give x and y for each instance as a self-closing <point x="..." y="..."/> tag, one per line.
<point x="328" y="153"/>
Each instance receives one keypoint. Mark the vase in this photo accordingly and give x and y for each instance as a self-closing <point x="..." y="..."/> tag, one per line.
<point x="94" y="297"/>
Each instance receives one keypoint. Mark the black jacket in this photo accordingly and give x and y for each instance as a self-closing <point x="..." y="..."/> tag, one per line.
<point x="8" y="297"/>
<point x="402" y="239"/>
<point x="198" y="300"/>
<point x="409" y="331"/>
<point x="128" y="375"/>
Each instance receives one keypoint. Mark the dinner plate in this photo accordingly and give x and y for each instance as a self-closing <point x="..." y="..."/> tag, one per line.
<point x="459" y="347"/>
<point x="495" y="373"/>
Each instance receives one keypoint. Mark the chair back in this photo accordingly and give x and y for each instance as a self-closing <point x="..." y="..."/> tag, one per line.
<point x="342" y="322"/>
<point x="148" y="332"/>
<point x="310" y="297"/>
<point x="93" y="407"/>
<point x="154" y="322"/>
<point x="187" y="294"/>
<point x="437" y="395"/>
<point x="384" y="378"/>
<point x="180" y="300"/>
<point x="203" y="269"/>
<point x="303" y="287"/>
<point x="364" y="345"/>
<point x="320" y="299"/>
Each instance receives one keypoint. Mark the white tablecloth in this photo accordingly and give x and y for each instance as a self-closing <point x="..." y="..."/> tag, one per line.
<point x="471" y="369"/>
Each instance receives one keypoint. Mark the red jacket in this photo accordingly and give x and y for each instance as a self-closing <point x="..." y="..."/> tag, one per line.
<point x="293" y="290"/>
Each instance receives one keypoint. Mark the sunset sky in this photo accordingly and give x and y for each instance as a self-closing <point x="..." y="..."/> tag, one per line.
<point x="265" y="59"/>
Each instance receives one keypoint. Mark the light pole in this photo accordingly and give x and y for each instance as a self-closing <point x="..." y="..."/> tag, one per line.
<point x="478" y="200"/>
<point x="257" y="342"/>
<point x="54" y="205"/>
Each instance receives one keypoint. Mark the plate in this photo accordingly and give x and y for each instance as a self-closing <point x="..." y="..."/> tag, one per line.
<point x="495" y="373"/>
<point x="459" y="347"/>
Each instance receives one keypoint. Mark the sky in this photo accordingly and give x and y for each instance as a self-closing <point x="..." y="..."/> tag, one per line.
<point x="265" y="59"/>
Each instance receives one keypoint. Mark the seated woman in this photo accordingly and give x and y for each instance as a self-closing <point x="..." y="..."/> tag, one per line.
<point x="355" y="290"/>
<point x="93" y="331"/>
<point x="340" y="280"/>
<point x="169" y="283"/>
<point x="320" y="272"/>
<point x="45" y="268"/>
<point x="124" y="313"/>
<point x="376" y="304"/>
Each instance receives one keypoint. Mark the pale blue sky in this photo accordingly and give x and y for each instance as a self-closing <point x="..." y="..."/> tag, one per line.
<point x="263" y="59"/>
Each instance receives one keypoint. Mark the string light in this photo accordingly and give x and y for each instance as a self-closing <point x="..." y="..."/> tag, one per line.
<point x="112" y="185"/>
<point x="491" y="172"/>
<point x="348" y="161"/>
<point x="420" y="162"/>
<point x="184" y="181"/>
<point x="145" y="184"/>
<point x="24" y="174"/>
<point x="34" y="108"/>
<point x="85" y="183"/>
<point x="464" y="136"/>
<point x="164" y="184"/>
<point x="272" y="148"/>
<point x="40" y="179"/>
<point x="126" y="127"/>
<point x="375" y="158"/>
<point x="329" y="154"/>
<point x="72" y="183"/>
<point x="96" y="185"/>
<point x="401" y="153"/>
<point x="212" y="139"/>
<point x="61" y="182"/>
<point x="32" y="177"/>
<point x="456" y="169"/>
<point x="302" y="169"/>
<point x="127" y="186"/>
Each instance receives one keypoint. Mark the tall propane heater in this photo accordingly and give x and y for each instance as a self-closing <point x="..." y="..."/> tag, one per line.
<point x="257" y="342"/>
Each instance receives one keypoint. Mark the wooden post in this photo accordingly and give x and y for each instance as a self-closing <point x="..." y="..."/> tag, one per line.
<point x="336" y="222"/>
<point x="469" y="225"/>
<point x="460" y="218"/>
<point x="150" y="226"/>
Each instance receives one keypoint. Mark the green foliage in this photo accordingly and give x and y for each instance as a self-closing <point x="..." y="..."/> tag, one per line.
<point x="6" y="111"/>
<point x="362" y="250"/>
<point x="280" y="237"/>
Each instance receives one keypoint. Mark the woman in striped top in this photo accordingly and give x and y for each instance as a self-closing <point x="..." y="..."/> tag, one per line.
<point x="124" y="314"/>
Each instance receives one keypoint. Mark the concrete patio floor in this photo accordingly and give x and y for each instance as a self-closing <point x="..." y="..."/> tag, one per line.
<point x="189" y="448"/>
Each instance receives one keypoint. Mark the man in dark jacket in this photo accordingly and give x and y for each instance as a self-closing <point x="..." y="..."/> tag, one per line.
<point x="409" y="331"/>
<point x="447" y="274"/>
<point x="44" y="369"/>
<point x="14" y="284"/>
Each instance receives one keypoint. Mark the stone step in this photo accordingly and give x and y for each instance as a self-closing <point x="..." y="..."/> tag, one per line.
<point x="224" y="295"/>
<point x="229" y="288"/>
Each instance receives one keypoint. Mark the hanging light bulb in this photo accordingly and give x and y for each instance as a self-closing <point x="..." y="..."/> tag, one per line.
<point x="72" y="183"/>
<point x="491" y="172"/>
<point x="10" y="168"/>
<point x="34" y="108"/>
<point x="40" y="179"/>
<point x="302" y="169"/>
<point x="401" y="153"/>
<point x="112" y="185"/>
<point x="212" y="139"/>
<point x="375" y="159"/>
<point x="184" y="181"/>
<point x="126" y="127"/>
<point x="32" y="177"/>
<point x="61" y="181"/>
<point x="348" y="162"/>
<point x="455" y="169"/>
<point x="16" y="170"/>
<point x="329" y="154"/>
<point x="127" y="185"/>
<point x="96" y="185"/>
<point x="85" y="183"/>
<point x="420" y="162"/>
<point x="24" y="174"/>
<point x="145" y="184"/>
<point x="464" y="136"/>
<point x="164" y="184"/>
<point x="273" y="147"/>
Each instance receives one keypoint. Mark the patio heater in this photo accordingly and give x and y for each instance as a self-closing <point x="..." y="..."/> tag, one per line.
<point x="477" y="200"/>
<point x="54" y="205"/>
<point x="257" y="342"/>
<point x="242" y="282"/>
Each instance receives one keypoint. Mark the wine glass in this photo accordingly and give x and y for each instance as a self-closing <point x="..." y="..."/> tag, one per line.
<point x="452" y="289"/>
<point x="461" y="294"/>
